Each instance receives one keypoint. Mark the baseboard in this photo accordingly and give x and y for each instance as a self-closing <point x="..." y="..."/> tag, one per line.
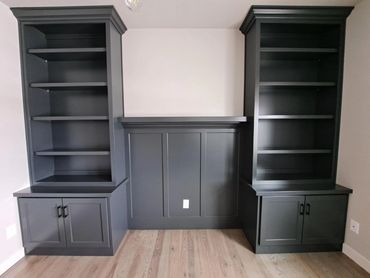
<point x="13" y="259"/>
<point x="356" y="257"/>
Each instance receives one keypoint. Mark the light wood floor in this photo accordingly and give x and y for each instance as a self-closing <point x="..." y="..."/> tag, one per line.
<point x="188" y="253"/>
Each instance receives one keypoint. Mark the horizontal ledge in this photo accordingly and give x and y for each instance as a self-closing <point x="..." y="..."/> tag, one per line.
<point x="294" y="151"/>
<point x="67" y="85"/>
<point x="297" y="50"/>
<point x="182" y="120"/>
<point x="66" y="50"/>
<point x="72" y="152"/>
<point x="295" y="117"/>
<point x="70" y="118"/>
<point x="298" y="84"/>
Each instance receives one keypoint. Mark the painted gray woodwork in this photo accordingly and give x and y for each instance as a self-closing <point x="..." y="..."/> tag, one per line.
<point x="72" y="87"/>
<point x="146" y="175"/>
<point x="41" y="223"/>
<point x="281" y="220"/>
<point x="293" y="87"/>
<point x="220" y="184"/>
<point x="325" y="219"/>
<point x="171" y="164"/>
<point x="86" y="222"/>
<point x="74" y="223"/>
<point x="184" y="166"/>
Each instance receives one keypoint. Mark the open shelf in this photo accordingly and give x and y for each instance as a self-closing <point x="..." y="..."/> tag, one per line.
<point x="298" y="84"/>
<point x="298" y="50"/>
<point x="70" y="118"/>
<point x="294" y="151"/>
<point x="296" y="117"/>
<point x="102" y="178"/>
<point x="66" y="85"/>
<point x="69" y="54"/>
<point x="81" y="152"/>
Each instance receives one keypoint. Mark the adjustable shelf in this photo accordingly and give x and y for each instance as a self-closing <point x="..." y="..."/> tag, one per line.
<point x="68" y="85"/>
<point x="297" y="50"/>
<point x="94" y="179"/>
<point x="294" y="151"/>
<point x="57" y="152"/>
<point x="69" y="54"/>
<point x="297" y="84"/>
<point x="296" y="117"/>
<point x="70" y="118"/>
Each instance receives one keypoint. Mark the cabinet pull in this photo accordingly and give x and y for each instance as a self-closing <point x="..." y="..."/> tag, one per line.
<point x="59" y="211"/>
<point x="65" y="211"/>
<point x="308" y="209"/>
<point x="301" y="209"/>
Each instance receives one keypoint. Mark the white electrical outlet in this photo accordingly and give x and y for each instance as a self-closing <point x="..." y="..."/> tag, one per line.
<point x="11" y="231"/>
<point x="185" y="203"/>
<point x="355" y="226"/>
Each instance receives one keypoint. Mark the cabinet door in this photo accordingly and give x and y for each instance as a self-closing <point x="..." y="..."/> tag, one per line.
<point x="325" y="219"/>
<point x="86" y="222"/>
<point x="281" y="220"/>
<point x="41" y="223"/>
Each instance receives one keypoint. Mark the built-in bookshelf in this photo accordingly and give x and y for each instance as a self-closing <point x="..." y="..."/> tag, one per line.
<point x="69" y="89"/>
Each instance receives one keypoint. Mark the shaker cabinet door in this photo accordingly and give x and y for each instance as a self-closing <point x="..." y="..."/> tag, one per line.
<point x="281" y="220"/>
<point x="86" y="222"/>
<point x="41" y="222"/>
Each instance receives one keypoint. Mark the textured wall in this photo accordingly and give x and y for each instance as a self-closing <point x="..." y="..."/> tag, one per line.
<point x="354" y="149"/>
<point x="13" y="160"/>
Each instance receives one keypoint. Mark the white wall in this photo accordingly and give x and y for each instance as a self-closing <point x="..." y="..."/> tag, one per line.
<point x="13" y="160"/>
<point x="183" y="72"/>
<point x="354" y="149"/>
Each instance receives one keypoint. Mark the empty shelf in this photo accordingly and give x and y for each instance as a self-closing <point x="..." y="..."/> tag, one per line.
<point x="70" y="118"/>
<point x="290" y="176"/>
<point x="57" y="152"/>
<point x="298" y="84"/>
<point x="295" y="117"/>
<point x="75" y="54"/>
<point x="297" y="50"/>
<point x="77" y="179"/>
<point x="294" y="151"/>
<point x="68" y="85"/>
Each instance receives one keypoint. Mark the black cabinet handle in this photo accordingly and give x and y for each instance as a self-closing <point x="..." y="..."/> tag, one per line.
<point x="301" y="209"/>
<point x="308" y="209"/>
<point x="65" y="211"/>
<point x="59" y="211"/>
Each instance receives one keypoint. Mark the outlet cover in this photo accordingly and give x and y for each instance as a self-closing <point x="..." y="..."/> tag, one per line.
<point x="11" y="231"/>
<point x="185" y="203"/>
<point x="355" y="226"/>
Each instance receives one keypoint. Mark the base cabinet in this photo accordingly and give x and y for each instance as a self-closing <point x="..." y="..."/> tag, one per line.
<point x="64" y="223"/>
<point x="301" y="222"/>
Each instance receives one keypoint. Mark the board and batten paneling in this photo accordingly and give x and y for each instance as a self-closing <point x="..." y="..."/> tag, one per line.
<point x="168" y="165"/>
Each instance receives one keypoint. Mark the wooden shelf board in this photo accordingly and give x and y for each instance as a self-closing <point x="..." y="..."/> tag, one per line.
<point x="297" y="84"/>
<point x="64" y="85"/>
<point x="297" y="50"/>
<point x="63" y="54"/>
<point x="57" y="152"/>
<point x="295" y="117"/>
<point x="76" y="179"/>
<point x="70" y="118"/>
<point x="294" y="151"/>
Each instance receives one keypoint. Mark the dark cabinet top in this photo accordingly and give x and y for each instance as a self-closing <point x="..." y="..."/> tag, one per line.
<point x="67" y="191"/>
<point x="294" y="13"/>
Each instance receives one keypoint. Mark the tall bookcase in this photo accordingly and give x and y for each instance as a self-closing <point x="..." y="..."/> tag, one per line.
<point x="294" y="66"/>
<point x="72" y="85"/>
<point x="289" y="201"/>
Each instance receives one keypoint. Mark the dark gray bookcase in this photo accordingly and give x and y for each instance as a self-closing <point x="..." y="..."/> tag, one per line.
<point x="72" y="90"/>
<point x="294" y="65"/>
<point x="289" y="201"/>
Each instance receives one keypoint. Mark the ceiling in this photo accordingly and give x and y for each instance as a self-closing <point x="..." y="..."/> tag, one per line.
<point x="181" y="13"/>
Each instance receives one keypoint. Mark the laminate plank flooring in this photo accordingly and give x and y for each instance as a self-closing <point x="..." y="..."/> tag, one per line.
<point x="187" y="253"/>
